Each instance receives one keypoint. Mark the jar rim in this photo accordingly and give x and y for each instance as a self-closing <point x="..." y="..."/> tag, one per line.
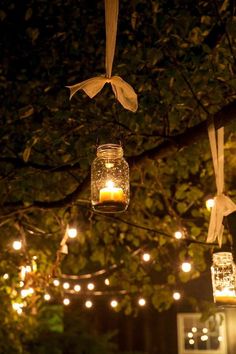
<point x="111" y="151"/>
<point x="222" y="254"/>
<point x="223" y="257"/>
<point x="109" y="146"/>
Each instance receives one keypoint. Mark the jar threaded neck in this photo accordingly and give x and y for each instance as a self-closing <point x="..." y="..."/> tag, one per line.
<point x="222" y="257"/>
<point x="110" y="151"/>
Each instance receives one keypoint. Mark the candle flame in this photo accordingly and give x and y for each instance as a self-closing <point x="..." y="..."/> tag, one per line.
<point x="110" y="184"/>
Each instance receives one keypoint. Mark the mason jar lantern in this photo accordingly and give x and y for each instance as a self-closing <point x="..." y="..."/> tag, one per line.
<point x="110" y="180"/>
<point x="223" y="273"/>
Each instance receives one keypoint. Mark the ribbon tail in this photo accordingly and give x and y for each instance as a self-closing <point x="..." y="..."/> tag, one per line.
<point x="212" y="225"/>
<point x="91" y="86"/>
<point x="124" y="93"/>
<point x="229" y="206"/>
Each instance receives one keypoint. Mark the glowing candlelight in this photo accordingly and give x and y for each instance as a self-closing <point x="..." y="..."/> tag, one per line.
<point x="111" y="193"/>
<point x="225" y="295"/>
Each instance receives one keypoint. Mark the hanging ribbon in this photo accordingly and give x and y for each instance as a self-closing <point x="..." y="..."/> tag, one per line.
<point x="124" y="93"/>
<point x="223" y="205"/>
<point x="63" y="245"/>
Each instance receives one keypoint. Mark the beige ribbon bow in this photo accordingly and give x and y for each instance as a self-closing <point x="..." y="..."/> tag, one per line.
<point x="223" y="205"/>
<point x="124" y="93"/>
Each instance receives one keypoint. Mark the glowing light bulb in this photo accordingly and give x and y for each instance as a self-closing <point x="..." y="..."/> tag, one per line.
<point x="141" y="301"/>
<point x="176" y="295"/>
<point x="77" y="288"/>
<point x="88" y="304"/>
<point x="186" y="267"/>
<point x="31" y="291"/>
<point x="205" y="330"/>
<point x="114" y="303"/>
<point x="204" y="338"/>
<point x="17" y="245"/>
<point x="190" y="335"/>
<point x="21" y="284"/>
<point x="220" y="338"/>
<point x="107" y="281"/>
<point x="72" y="232"/>
<point x="56" y="282"/>
<point x="66" y="286"/>
<point x="47" y="297"/>
<point x="24" y="293"/>
<point x="146" y="257"/>
<point x="28" y="269"/>
<point x="191" y="341"/>
<point x="194" y="329"/>
<point x="17" y="307"/>
<point x="5" y="276"/>
<point x="210" y="203"/>
<point x="90" y="286"/>
<point x="178" y="235"/>
<point x="66" y="301"/>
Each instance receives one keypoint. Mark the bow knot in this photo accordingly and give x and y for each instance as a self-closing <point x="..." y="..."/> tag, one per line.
<point x="124" y="93"/>
<point x="223" y="205"/>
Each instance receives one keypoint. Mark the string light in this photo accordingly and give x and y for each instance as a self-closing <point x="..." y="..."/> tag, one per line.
<point x="5" y="276"/>
<point x="56" y="282"/>
<point x="194" y="329"/>
<point x="204" y="338"/>
<point x="31" y="291"/>
<point x="24" y="270"/>
<point x="21" y="284"/>
<point x="66" y="301"/>
<point x="17" y="307"/>
<point x="88" y="304"/>
<point x="186" y="267"/>
<point x="190" y="335"/>
<point x="72" y="232"/>
<point x="90" y="286"/>
<point x="210" y="203"/>
<point x="205" y="330"/>
<point x="178" y="235"/>
<point x="176" y="295"/>
<point x="141" y="301"/>
<point x="66" y="286"/>
<point x="191" y="341"/>
<point x="17" y="245"/>
<point x="114" y="303"/>
<point x="47" y="297"/>
<point x="77" y="288"/>
<point x="107" y="281"/>
<point x="26" y="292"/>
<point x="146" y="257"/>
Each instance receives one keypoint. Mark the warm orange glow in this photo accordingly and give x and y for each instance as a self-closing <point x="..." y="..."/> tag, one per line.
<point x="111" y="193"/>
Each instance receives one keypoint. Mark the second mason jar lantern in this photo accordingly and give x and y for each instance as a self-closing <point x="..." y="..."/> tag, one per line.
<point x="110" y="180"/>
<point x="223" y="272"/>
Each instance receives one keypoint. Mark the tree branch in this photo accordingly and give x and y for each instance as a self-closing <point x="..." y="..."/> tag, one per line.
<point x="178" y="142"/>
<point x="19" y="163"/>
<point x="169" y="147"/>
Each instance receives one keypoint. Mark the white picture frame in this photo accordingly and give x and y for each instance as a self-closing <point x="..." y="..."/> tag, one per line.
<point x="197" y="337"/>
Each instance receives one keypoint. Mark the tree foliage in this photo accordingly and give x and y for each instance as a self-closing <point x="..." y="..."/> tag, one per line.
<point x="180" y="58"/>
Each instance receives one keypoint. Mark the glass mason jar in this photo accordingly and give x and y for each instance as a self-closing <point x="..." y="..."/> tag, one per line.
<point x="110" y="180"/>
<point x="223" y="274"/>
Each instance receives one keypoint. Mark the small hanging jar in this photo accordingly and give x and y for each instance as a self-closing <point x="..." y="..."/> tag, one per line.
<point x="223" y="273"/>
<point x="110" y="180"/>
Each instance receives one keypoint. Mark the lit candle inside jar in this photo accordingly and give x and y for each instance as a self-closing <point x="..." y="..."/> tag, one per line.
<point x="225" y="295"/>
<point x="111" y="193"/>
